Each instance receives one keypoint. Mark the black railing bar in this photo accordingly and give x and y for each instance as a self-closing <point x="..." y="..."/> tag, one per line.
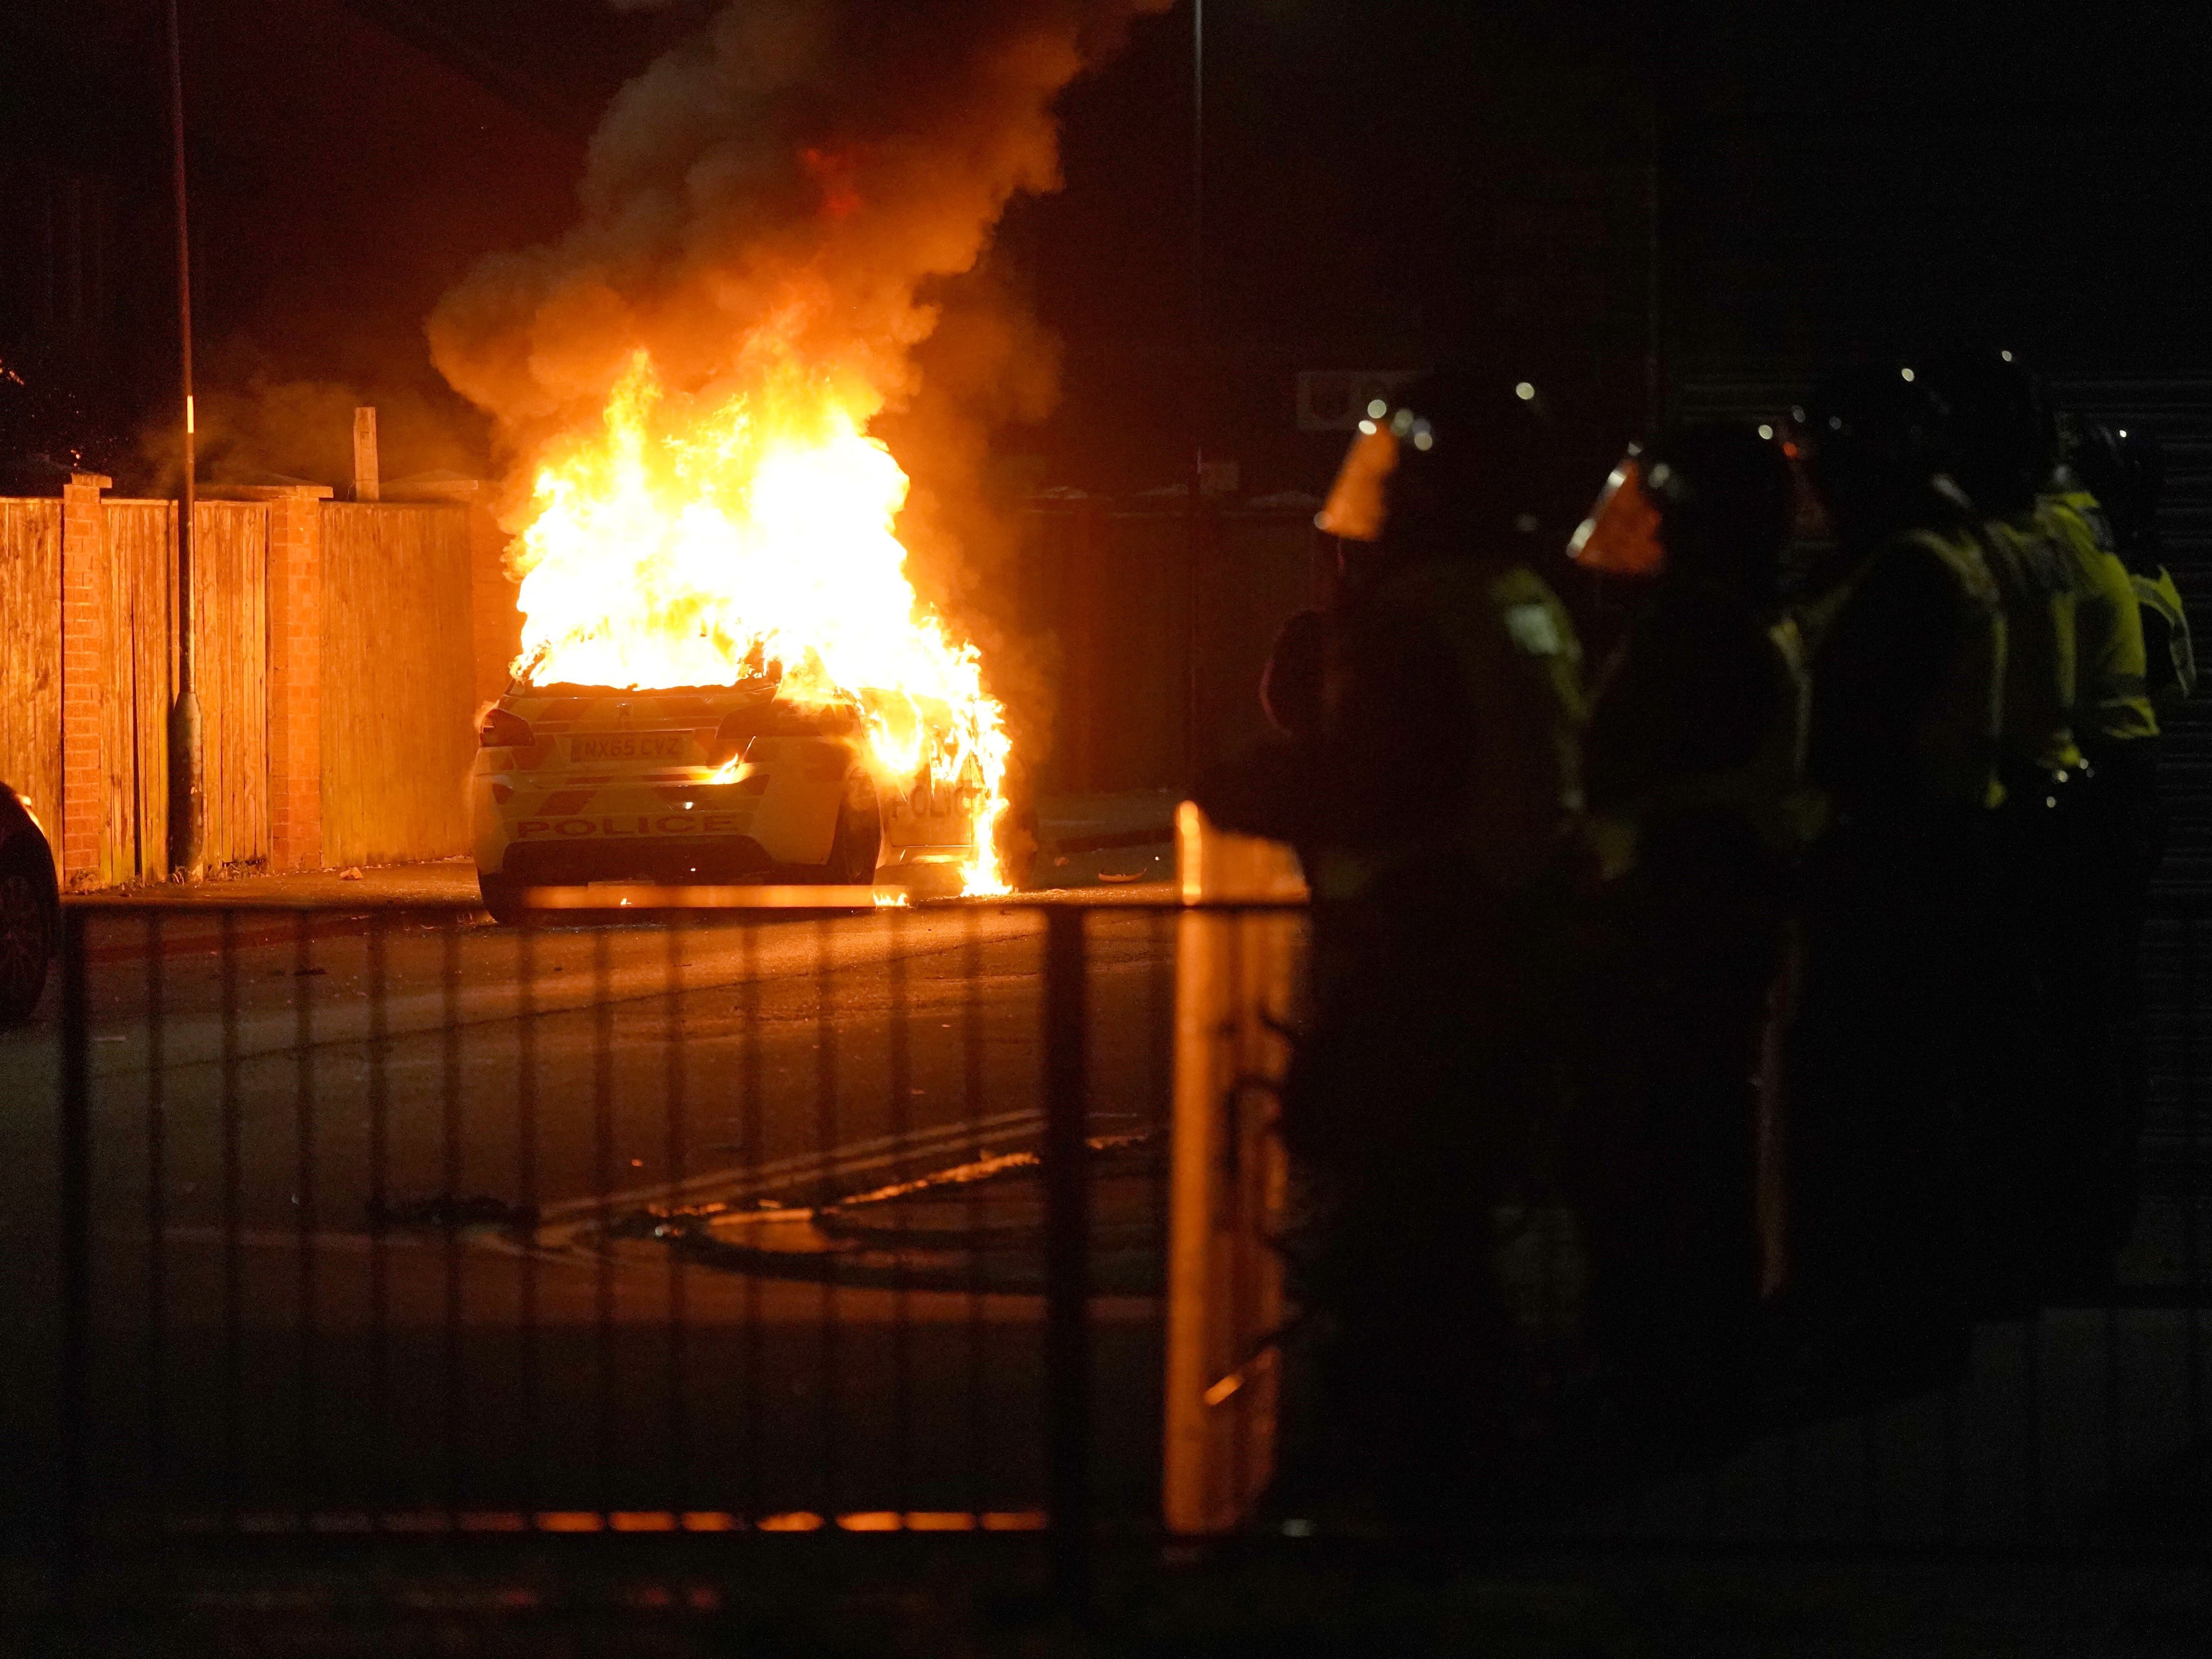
<point x="902" y="1110"/>
<point x="676" y="1153"/>
<point x="1869" y="1475"/>
<point x="1160" y="1012"/>
<point x="1790" y="1476"/>
<point x="381" y="1433"/>
<point x="825" y="1138"/>
<point x="157" y="1218"/>
<point x="304" y="1218"/>
<point x="1159" y="1015"/>
<point x="74" y="1157"/>
<point x="2113" y="1450"/>
<point x="1954" y="1467"/>
<point x="603" y="1300"/>
<point x="2192" y="1184"/>
<point x="454" y="1415"/>
<point x="2031" y="1428"/>
<point x="971" y="1086"/>
<point x="526" y="1181"/>
<point x="1067" y="1257"/>
<point x="751" y="1110"/>
<point x="234" y="1263"/>
<point x="1242" y="1227"/>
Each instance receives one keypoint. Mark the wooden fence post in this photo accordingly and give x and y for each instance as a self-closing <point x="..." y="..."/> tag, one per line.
<point x="85" y="678"/>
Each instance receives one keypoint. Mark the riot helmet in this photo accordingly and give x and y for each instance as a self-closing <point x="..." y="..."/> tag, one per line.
<point x="2003" y="441"/>
<point x="2125" y="468"/>
<point x="1873" y="438"/>
<point x="1726" y="503"/>
<point x="1620" y="537"/>
<point x="1457" y="466"/>
<point x="1711" y="500"/>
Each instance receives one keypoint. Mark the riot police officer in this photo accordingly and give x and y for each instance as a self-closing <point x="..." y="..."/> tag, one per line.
<point x="1907" y="701"/>
<point x="1692" y="757"/>
<point x="1444" y="794"/>
<point x="2046" y="1019"/>
<point x="2136" y="663"/>
<point x="2121" y="471"/>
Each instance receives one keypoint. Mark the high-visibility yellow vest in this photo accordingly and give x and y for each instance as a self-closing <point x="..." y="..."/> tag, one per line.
<point x="1793" y="811"/>
<point x="1769" y="790"/>
<point x="1522" y="667"/>
<point x="2112" y="700"/>
<point x="2037" y="584"/>
<point x="1960" y="734"/>
<point x="2170" y="661"/>
<point x="1957" y="745"/>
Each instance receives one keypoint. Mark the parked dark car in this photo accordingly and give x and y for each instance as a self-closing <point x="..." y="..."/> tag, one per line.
<point x="30" y="909"/>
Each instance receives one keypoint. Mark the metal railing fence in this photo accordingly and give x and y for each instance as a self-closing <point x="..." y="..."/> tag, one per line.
<point x="395" y="1222"/>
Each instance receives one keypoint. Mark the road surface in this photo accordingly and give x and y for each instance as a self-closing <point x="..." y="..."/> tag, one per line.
<point x="322" y="1073"/>
<point x="304" y="1364"/>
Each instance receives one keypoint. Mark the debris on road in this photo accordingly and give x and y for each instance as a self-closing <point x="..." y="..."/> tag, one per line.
<point x="977" y="1226"/>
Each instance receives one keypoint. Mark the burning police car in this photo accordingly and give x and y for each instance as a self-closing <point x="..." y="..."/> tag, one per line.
<point x="707" y="785"/>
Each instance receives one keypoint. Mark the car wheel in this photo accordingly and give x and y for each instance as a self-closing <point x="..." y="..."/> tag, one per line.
<point x="27" y="941"/>
<point x="503" y="896"/>
<point x="859" y="838"/>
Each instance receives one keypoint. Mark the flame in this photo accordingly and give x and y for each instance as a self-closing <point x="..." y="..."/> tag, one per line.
<point x="699" y="543"/>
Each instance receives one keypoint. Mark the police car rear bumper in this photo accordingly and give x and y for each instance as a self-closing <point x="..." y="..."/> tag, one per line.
<point x="665" y="861"/>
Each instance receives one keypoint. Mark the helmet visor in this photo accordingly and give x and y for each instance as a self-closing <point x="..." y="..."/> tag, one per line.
<point x="1358" y="501"/>
<point x="1620" y="538"/>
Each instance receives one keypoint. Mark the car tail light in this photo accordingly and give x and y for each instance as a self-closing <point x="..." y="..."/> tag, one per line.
<point x="731" y="736"/>
<point x="502" y="730"/>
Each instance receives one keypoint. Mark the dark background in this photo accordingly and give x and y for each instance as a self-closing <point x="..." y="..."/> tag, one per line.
<point x="1557" y="190"/>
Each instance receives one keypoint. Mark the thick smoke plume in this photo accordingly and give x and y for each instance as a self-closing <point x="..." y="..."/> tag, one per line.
<point x="805" y="185"/>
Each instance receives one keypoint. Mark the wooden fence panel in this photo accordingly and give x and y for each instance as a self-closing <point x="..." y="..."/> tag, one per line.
<point x="31" y="658"/>
<point x="230" y="623"/>
<point x="141" y="538"/>
<point x="398" y="703"/>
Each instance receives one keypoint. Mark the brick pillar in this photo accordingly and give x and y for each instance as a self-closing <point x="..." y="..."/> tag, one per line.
<point x="296" y="678"/>
<point x="85" y="680"/>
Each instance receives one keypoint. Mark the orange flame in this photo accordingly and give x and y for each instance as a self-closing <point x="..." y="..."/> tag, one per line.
<point x="685" y="545"/>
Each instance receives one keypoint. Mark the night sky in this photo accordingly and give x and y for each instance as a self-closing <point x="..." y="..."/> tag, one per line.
<point x="1390" y="183"/>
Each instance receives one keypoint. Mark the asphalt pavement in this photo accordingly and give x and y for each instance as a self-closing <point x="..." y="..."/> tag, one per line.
<point x="374" y="1183"/>
<point x="418" y="1182"/>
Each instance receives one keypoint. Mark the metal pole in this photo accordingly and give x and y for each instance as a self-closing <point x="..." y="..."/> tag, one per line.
<point x="185" y="781"/>
<point x="1652" y="388"/>
<point x="1067" y="1257"/>
<point x="75" y="1162"/>
<point x="1195" y="392"/>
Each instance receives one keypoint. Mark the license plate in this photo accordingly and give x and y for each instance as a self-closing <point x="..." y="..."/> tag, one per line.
<point x="629" y="745"/>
